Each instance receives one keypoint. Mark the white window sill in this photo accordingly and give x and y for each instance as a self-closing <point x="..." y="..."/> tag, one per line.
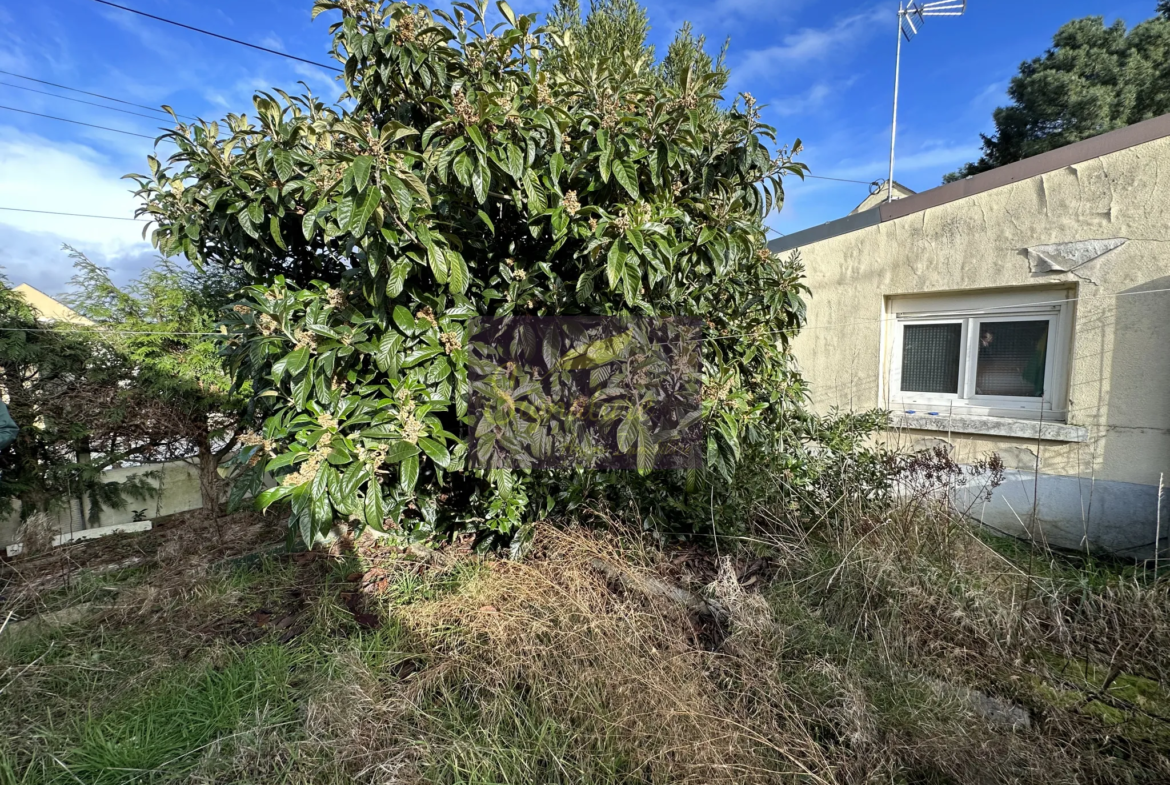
<point x="992" y="426"/>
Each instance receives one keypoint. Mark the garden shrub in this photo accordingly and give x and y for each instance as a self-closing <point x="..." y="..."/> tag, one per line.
<point x="474" y="171"/>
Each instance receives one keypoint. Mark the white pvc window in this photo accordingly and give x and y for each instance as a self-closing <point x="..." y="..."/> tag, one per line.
<point x="986" y="354"/>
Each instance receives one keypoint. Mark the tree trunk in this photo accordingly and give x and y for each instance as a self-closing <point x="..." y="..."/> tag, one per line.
<point x="209" y="484"/>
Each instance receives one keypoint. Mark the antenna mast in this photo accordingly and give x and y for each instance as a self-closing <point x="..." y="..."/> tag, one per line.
<point x="912" y="16"/>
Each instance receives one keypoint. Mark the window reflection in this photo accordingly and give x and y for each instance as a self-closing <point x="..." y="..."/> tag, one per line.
<point x="1011" y="358"/>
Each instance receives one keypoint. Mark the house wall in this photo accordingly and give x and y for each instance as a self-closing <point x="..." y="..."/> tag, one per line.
<point x="179" y="486"/>
<point x="49" y="309"/>
<point x="1102" y="490"/>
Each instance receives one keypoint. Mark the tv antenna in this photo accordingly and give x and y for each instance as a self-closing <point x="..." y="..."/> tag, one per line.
<point x="911" y="17"/>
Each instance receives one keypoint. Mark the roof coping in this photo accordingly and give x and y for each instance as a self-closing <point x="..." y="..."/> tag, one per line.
<point x="1069" y="155"/>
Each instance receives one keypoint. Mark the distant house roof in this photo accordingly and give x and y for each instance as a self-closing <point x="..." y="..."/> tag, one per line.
<point x="48" y="309"/>
<point x="1071" y="155"/>
<point x="879" y="196"/>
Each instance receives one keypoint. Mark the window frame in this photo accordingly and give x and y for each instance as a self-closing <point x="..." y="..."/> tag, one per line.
<point x="971" y="309"/>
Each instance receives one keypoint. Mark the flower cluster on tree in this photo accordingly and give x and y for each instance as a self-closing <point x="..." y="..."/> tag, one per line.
<point x="476" y="171"/>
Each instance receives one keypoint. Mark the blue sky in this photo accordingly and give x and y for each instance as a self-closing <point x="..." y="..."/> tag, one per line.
<point x="824" y="68"/>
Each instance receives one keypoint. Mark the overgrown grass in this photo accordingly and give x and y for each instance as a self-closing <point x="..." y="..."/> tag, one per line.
<point x="891" y="645"/>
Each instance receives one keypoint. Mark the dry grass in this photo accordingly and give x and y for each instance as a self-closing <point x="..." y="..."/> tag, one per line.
<point x="866" y="647"/>
<point x="581" y="680"/>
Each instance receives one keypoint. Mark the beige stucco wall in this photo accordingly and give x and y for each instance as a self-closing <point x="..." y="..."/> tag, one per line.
<point x="178" y="491"/>
<point x="49" y="309"/>
<point x="1119" y="375"/>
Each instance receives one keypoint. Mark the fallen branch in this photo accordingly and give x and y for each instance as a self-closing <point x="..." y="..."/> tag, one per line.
<point x="652" y="587"/>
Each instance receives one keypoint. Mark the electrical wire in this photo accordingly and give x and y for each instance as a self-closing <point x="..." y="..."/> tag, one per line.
<point x="842" y="180"/>
<point x="75" y="122"/>
<point x="713" y="338"/>
<point x="217" y="35"/>
<point x="79" y="101"/>
<point x="75" y="215"/>
<point x="95" y="95"/>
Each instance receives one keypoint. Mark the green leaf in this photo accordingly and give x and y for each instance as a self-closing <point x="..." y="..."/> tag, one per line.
<point x="361" y="171"/>
<point x="369" y="204"/>
<point x="399" y="451"/>
<point x="628" y="430"/>
<point x="487" y="221"/>
<point x="404" y="320"/>
<point x="271" y="496"/>
<point x="626" y="173"/>
<point x="438" y="259"/>
<point x="506" y="10"/>
<point x="374" y="508"/>
<point x="387" y="354"/>
<point x="274" y="230"/>
<point x="515" y="162"/>
<point x="297" y="360"/>
<point x="319" y="488"/>
<point x="647" y="454"/>
<point x="463" y="166"/>
<point x="282" y="460"/>
<point x="398" y="274"/>
<point x="344" y="493"/>
<point x="419" y="355"/>
<point x="345" y="212"/>
<point x="457" y="274"/>
<point x="632" y="283"/>
<point x="283" y="161"/>
<point x="615" y="264"/>
<point x="415" y="185"/>
<point x="479" y="183"/>
<point x="408" y="473"/>
<point x="310" y="222"/>
<point x="636" y="240"/>
<point x="477" y="137"/>
<point x="437" y="452"/>
<point x="401" y="194"/>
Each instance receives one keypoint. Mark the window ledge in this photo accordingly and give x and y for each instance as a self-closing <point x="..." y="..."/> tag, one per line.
<point x="992" y="426"/>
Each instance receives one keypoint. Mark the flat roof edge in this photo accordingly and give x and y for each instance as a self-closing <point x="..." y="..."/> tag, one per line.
<point x="815" y="234"/>
<point x="1069" y="155"/>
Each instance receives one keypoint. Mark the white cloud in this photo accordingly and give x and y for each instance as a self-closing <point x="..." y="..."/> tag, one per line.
<point x="991" y="96"/>
<point x="44" y="175"/>
<point x="811" y="101"/>
<point x="930" y="156"/>
<point x="808" y="46"/>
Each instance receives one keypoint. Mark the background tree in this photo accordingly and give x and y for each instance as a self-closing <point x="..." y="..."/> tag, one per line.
<point x="1094" y="79"/>
<point x="465" y="177"/>
<point x="72" y="399"/>
<point x="163" y="324"/>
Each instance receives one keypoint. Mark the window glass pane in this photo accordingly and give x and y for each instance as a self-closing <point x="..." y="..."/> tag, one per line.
<point x="1011" y="358"/>
<point x="930" y="357"/>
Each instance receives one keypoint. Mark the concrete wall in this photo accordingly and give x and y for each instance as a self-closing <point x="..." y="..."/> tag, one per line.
<point x="1104" y="487"/>
<point x="179" y="488"/>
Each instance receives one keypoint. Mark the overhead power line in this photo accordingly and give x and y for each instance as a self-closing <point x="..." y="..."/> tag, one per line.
<point x="97" y="329"/>
<point x="75" y="122"/>
<point x="79" y="101"/>
<point x="95" y="95"/>
<point x="842" y="179"/>
<point x="221" y="37"/>
<point x="75" y="215"/>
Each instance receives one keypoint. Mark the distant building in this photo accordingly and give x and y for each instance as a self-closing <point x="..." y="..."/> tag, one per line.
<point x="879" y="196"/>
<point x="1024" y="311"/>
<point x="47" y="309"/>
<point x="178" y="481"/>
